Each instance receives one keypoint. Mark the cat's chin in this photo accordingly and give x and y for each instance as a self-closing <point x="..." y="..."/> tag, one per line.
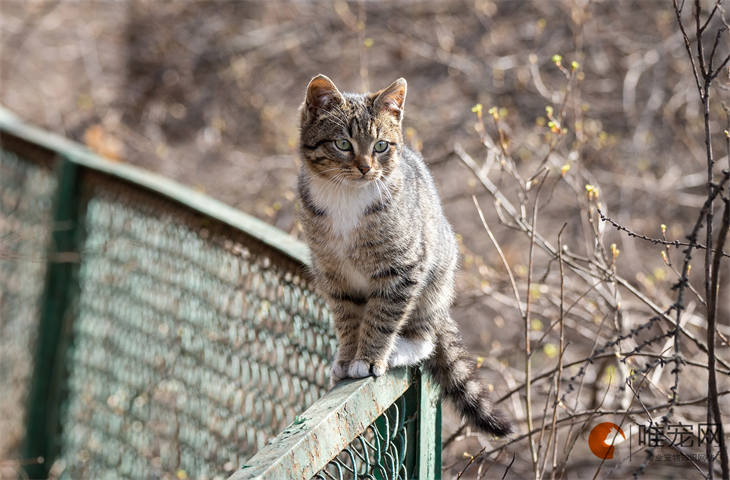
<point x="364" y="181"/>
<point x="360" y="182"/>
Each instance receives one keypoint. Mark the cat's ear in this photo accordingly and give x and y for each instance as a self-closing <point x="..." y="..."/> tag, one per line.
<point x="322" y="94"/>
<point x="392" y="98"/>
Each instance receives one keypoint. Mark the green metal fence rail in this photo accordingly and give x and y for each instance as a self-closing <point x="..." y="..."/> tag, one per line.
<point x="149" y="331"/>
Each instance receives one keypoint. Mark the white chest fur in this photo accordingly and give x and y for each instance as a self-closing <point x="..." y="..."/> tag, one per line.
<point x="344" y="204"/>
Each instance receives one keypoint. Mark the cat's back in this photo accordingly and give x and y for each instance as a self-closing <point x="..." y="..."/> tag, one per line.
<point x="421" y="188"/>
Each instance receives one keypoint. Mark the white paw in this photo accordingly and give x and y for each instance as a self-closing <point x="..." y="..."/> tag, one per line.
<point x="358" y="369"/>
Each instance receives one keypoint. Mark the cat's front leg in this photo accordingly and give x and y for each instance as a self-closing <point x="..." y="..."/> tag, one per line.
<point x="347" y="310"/>
<point x="384" y="315"/>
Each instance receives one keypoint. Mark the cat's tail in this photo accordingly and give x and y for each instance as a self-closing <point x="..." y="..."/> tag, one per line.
<point x="455" y="371"/>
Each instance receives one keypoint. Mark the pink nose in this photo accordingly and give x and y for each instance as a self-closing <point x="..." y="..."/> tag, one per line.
<point x="363" y="169"/>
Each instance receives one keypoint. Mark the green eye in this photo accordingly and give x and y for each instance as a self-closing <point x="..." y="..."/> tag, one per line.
<point x="343" y="145"/>
<point x="381" y="146"/>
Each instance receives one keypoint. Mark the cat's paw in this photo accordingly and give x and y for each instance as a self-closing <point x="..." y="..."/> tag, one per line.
<point x="378" y="369"/>
<point x="362" y="369"/>
<point x="338" y="372"/>
<point x="358" y="369"/>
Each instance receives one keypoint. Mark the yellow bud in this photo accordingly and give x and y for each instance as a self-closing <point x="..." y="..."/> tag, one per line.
<point x="549" y="110"/>
<point x="477" y="109"/>
<point x="664" y="228"/>
<point x="589" y="187"/>
<point x="727" y="134"/>
<point x="564" y="169"/>
<point x="557" y="59"/>
<point x="480" y="361"/>
<point x="614" y="251"/>
<point x="494" y="112"/>
<point x="368" y="42"/>
<point x="664" y="257"/>
<point x="660" y="274"/>
<point x="550" y="350"/>
<point x="574" y="65"/>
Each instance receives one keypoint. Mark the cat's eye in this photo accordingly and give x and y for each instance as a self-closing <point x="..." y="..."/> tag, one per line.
<point x="381" y="146"/>
<point x="343" y="144"/>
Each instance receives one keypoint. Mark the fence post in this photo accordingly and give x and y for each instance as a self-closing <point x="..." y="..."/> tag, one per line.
<point x="429" y="428"/>
<point x="41" y="441"/>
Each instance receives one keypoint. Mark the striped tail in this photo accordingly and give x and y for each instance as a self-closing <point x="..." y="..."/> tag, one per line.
<point x="455" y="371"/>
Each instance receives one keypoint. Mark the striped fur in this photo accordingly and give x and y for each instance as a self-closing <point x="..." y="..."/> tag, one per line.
<point x="383" y="253"/>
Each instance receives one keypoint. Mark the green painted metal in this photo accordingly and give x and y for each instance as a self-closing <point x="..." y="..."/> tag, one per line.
<point x="429" y="428"/>
<point x="45" y="393"/>
<point x="195" y="337"/>
<point x="192" y="346"/>
<point x="27" y="191"/>
<point x="403" y="441"/>
<point x="326" y="428"/>
<point x="384" y="450"/>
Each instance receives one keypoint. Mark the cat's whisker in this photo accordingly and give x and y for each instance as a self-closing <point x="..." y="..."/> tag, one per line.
<point x="338" y="180"/>
<point x="330" y="170"/>
<point x="388" y="195"/>
<point x="380" y="194"/>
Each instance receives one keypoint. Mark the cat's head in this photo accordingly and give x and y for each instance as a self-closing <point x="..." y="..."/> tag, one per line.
<point x="351" y="138"/>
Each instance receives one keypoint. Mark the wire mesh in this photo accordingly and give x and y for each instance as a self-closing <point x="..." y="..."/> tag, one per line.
<point x="192" y="344"/>
<point x="26" y="200"/>
<point x="385" y="450"/>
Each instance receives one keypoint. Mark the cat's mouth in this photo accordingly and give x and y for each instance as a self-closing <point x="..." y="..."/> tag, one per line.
<point x="358" y="179"/>
<point x="354" y="179"/>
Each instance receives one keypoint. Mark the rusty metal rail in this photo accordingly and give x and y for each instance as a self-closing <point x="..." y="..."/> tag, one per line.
<point x="384" y="428"/>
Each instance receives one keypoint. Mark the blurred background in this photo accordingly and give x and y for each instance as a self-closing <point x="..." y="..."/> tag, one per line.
<point x="207" y="92"/>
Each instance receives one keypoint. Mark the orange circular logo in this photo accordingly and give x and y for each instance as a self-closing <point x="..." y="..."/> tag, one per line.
<point x="598" y="440"/>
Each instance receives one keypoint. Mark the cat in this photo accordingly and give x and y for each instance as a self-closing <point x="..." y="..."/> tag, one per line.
<point x="383" y="254"/>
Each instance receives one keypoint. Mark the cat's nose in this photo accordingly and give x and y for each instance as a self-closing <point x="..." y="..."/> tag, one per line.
<point x="363" y="168"/>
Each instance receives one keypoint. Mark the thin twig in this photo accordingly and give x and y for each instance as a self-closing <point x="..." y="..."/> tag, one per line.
<point x="528" y="350"/>
<point x="501" y="256"/>
<point x="561" y="350"/>
<point x="660" y="241"/>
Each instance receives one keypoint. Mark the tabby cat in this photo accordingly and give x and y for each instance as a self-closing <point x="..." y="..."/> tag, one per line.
<point x="383" y="253"/>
